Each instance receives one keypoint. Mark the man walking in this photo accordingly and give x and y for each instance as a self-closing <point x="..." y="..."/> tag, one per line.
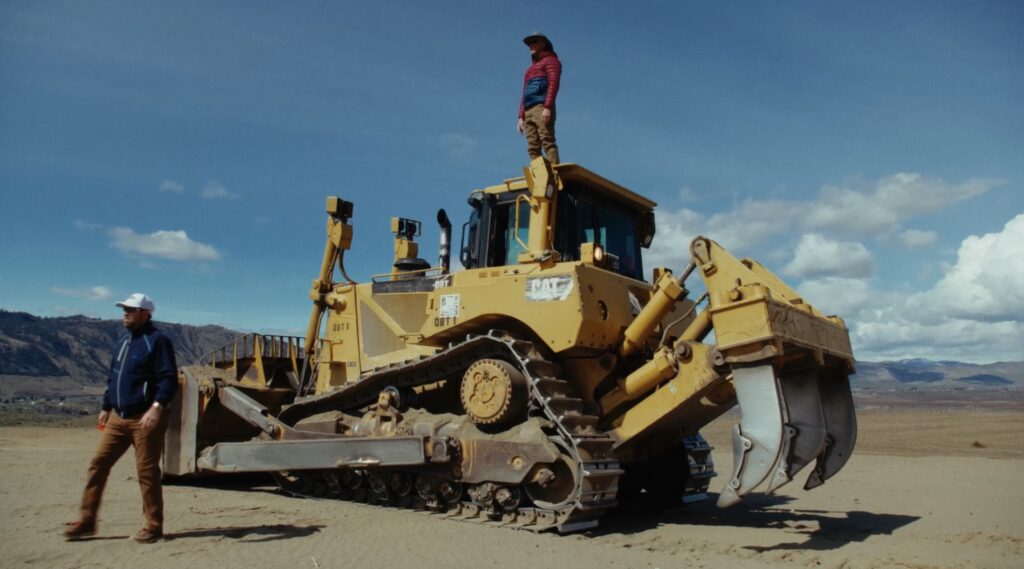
<point x="142" y="381"/>
<point x="537" y="106"/>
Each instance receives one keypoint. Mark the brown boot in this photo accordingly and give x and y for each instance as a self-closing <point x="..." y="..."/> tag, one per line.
<point x="79" y="529"/>
<point x="148" y="535"/>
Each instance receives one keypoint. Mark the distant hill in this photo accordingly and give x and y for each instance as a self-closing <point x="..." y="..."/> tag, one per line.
<point x="70" y="355"/>
<point x="51" y="355"/>
<point x="918" y="374"/>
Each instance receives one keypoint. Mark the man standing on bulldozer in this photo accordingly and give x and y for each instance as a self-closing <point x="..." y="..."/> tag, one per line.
<point x="537" y="106"/>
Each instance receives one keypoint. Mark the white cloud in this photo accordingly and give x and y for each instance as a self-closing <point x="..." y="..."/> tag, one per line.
<point x="892" y="326"/>
<point x="214" y="190"/>
<point x="171" y="245"/>
<point x="987" y="281"/>
<point x="915" y="239"/>
<point x="90" y="293"/>
<point x="459" y="146"/>
<point x="914" y="194"/>
<point x="892" y="200"/>
<point x="876" y="211"/>
<point x="751" y="223"/>
<point x="896" y="335"/>
<point x="838" y="295"/>
<point x="975" y="312"/>
<point x="848" y="211"/>
<point x="82" y="225"/>
<point x="673" y="233"/>
<point x="687" y="195"/>
<point x="818" y="256"/>
<point x="170" y="186"/>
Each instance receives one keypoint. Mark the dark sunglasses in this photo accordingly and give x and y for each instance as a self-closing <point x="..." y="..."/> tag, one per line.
<point x="129" y="310"/>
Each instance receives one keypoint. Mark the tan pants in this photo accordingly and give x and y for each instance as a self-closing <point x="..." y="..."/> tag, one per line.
<point x="118" y="435"/>
<point x="540" y="134"/>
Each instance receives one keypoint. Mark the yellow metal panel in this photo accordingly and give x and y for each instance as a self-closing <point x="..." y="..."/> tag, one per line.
<point x="574" y="172"/>
<point x="683" y="403"/>
<point x="379" y="333"/>
<point x="741" y="324"/>
<point x="591" y="311"/>
<point x="340" y="358"/>
<point x="798" y="327"/>
<point x="408" y="310"/>
<point x="749" y="325"/>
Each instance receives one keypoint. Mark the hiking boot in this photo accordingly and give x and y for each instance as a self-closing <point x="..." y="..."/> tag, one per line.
<point x="79" y="529"/>
<point x="148" y="535"/>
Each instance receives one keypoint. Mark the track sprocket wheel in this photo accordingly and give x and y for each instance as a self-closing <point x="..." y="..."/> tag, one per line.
<point x="493" y="392"/>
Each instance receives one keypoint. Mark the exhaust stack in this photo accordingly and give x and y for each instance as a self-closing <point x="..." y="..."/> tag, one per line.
<point x="446" y="239"/>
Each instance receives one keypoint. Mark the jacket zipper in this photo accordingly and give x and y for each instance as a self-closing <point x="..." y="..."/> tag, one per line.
<point x="120" y="372"/>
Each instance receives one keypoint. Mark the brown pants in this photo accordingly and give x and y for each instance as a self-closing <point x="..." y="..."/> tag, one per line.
<point x="540" y="134"/>
<point x="118" y="435"/>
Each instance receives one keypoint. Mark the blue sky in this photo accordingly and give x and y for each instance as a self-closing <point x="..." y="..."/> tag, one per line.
<point x="869" y="152"/>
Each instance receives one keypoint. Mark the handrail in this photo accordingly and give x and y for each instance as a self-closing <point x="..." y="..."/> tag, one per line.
<point x="515" y="232"/>
<point x="266" y="345"/>
<point x="405" y="275"/>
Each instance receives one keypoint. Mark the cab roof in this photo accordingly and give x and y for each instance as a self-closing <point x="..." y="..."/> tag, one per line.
<point x="576" y="173"/>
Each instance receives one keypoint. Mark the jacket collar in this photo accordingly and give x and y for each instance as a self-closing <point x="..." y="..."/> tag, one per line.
<point x="143" y="330"/>
<point x="541" y="55"/>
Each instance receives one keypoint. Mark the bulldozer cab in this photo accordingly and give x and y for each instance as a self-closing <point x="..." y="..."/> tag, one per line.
<point x="588" y="210"/>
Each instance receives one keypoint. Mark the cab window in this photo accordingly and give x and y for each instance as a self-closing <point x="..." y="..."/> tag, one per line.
<point x="607" y="224"/>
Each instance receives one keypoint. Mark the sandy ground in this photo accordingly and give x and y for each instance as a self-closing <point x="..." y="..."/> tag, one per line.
<point x="923" y="490"/>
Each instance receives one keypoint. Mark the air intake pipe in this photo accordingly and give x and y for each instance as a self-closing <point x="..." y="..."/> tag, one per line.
<point x="446" y="239"/>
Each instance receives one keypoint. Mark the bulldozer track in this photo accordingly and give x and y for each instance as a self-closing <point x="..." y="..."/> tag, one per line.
<point x="702" y="468"/>
<point x="572" y="429"/>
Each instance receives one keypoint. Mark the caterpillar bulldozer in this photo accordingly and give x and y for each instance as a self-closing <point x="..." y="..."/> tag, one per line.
<point x="537" y="387"/>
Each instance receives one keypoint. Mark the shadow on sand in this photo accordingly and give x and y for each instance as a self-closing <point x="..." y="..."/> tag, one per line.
<point x="251" y="534"/>
<point x="824" y="530"/>
<point x="261" y="533"/>
<point x="243" y="482"/>
<point x="247" y="483"/>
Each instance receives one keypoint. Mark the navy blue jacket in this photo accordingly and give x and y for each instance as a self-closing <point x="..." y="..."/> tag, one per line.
<point x="142" y="371"/>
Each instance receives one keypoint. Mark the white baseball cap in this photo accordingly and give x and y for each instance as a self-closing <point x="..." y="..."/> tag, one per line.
<point x="138" y="300"/>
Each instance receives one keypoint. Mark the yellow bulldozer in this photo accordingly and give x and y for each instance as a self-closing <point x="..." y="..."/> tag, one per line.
<point x="537" y="387"/>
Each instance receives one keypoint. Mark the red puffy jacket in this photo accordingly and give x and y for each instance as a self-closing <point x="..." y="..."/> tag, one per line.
<point x="540" y="84"/>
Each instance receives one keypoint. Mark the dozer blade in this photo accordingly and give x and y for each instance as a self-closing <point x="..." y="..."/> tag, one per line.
<point x="840" y="425"/>
<point x="758" y="441"/>
<point x="805" y="426"/>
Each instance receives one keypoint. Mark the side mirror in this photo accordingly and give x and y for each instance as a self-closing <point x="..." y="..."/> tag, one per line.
<point x="647" y="230"/>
